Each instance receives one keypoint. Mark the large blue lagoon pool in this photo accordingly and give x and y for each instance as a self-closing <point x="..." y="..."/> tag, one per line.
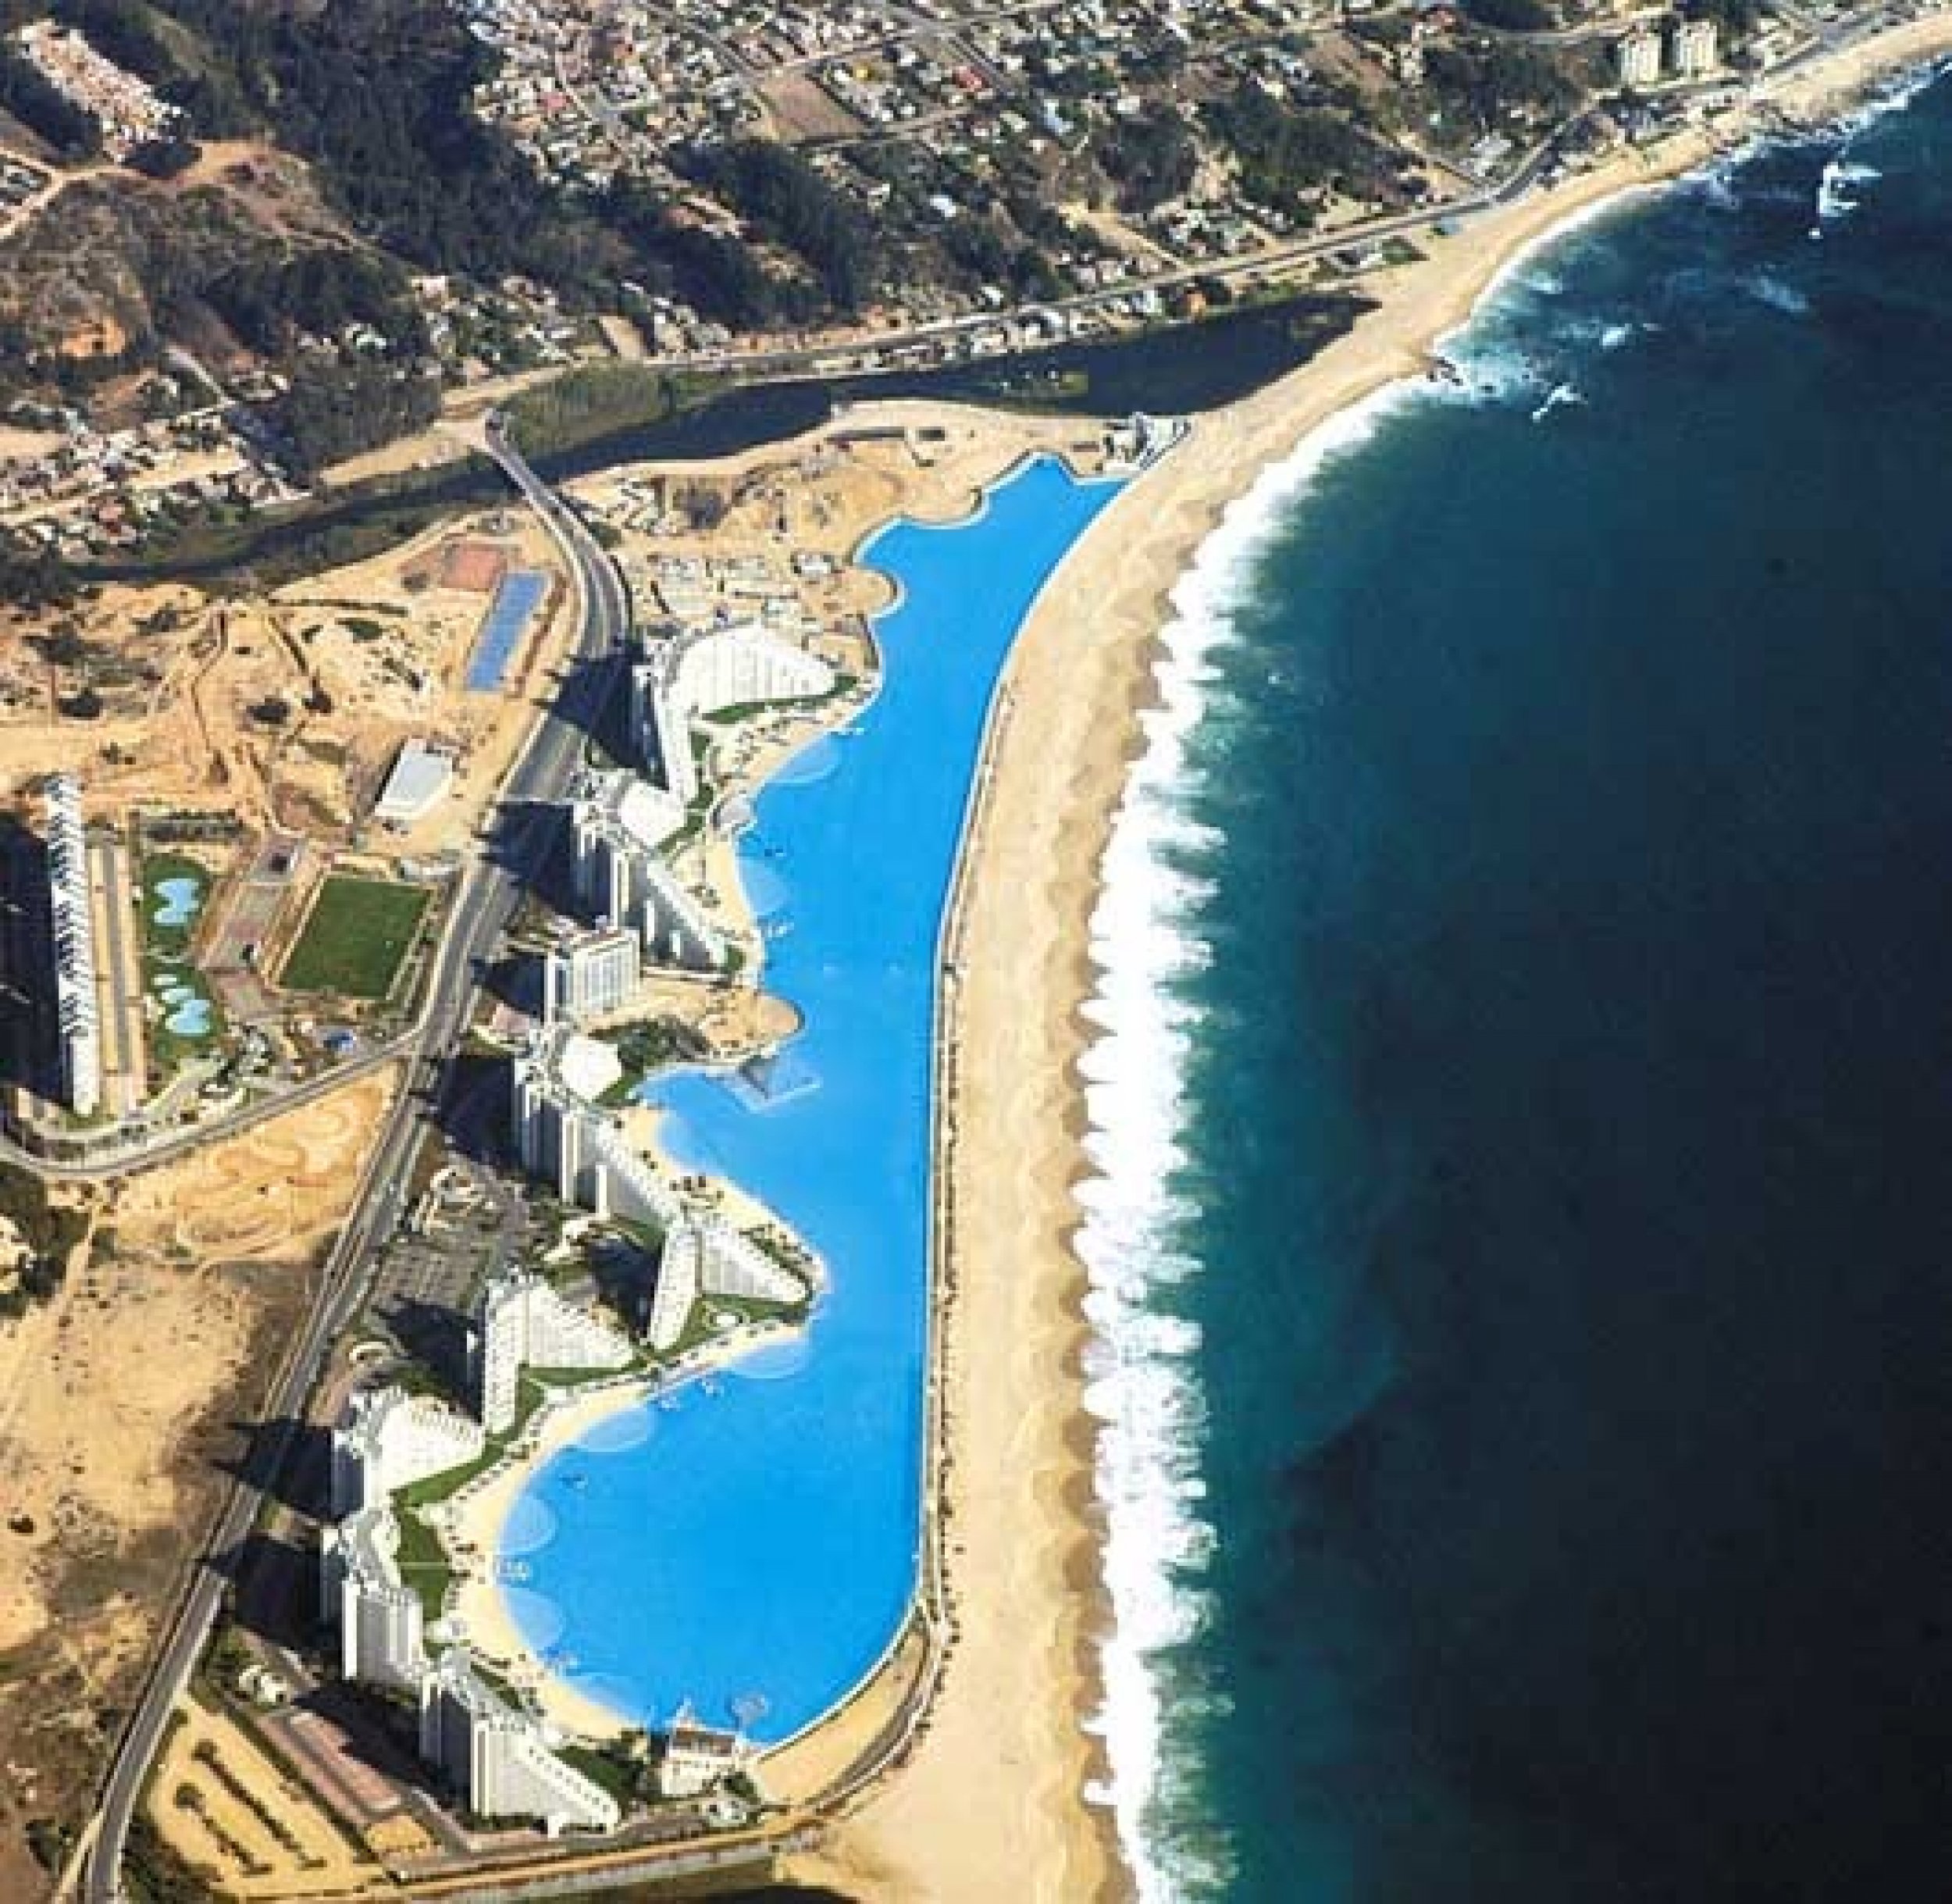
<point x="753" y="1548"/>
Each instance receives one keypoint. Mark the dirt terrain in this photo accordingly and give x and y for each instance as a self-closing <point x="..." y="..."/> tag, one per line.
<point x="287" y="710"/>
<point x="127" y="1396"/>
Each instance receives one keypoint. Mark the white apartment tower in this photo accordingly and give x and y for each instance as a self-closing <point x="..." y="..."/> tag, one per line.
<point x="390" y="1439"/>
<point x="523" y="1322"/>
<point x="706" y="671"/>
<point x="617" y="825"/>
<point x="698" y="1758"/>
<point x="558" y="1080"/>
<point x="566" y="1138"/>
<point x="378" y="1617"/>
<point x="1697" y="52"/>
<point x="590" y="973"/>
<point x="1639" y="56"/>
<point x="500" y="1758"/>
<point x="708" y="1256"/>
<point x="76" y="1005"/>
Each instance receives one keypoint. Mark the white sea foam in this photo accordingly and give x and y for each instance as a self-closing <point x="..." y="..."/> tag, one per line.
<point x="1765" y="288"/>
<point x="1135" y="1239"/>
<point x="1140" y="1382"/>
<point x="1560" y="396"/>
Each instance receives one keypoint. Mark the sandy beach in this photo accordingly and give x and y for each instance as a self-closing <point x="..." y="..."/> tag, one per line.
<point x="995" y="1785"/>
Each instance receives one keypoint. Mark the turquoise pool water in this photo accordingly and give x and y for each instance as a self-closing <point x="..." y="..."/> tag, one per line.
<point x="751" y="1546"/>
<point x="185" y="1010"/>
<point x="507" y="621"/>
<point x="177" y="900"/>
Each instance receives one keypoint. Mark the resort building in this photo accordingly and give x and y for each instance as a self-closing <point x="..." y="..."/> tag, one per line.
<point x="419" y="783"/>
<point x="391" y="1439"/>
<point x="591" y="974"/>
<point x="698" y="1758"/>
<point x="500" y="1758"/>
<point x="680" y="1265"/>
<point x="524" y="1322"/>
<point x="618" y="824"/>
<point x="563" y="1135"/>
<point x="1697" y="50"/>
<point x="378" y="1615"/>
<point x="558" y="1079"/>
<point x="707" y="1256"/>
<point x="77" y="1007"/>
<point x="708" y="671"/>
<point x="1638" y="57"/>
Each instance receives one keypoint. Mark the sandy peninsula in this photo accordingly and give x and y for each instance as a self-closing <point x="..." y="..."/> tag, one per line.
<point x="993" y="1792"/>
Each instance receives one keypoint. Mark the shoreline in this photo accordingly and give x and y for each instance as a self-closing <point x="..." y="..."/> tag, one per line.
<point x="1028" y="1599"/>
<point x="473" y="1522"/>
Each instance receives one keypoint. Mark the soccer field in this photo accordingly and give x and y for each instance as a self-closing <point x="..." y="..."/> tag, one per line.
<point x="357" y="935"/>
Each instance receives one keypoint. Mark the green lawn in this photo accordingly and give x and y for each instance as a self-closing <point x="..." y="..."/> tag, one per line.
<point x="166" y="964"/>
<point x="357" y="935"/>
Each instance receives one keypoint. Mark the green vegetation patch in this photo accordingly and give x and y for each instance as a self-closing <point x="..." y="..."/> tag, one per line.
<point x="356" y="937"/>
<point x="599" y="400"/>
<point x="424" y="1564"/>
<point x="174" y="984"/>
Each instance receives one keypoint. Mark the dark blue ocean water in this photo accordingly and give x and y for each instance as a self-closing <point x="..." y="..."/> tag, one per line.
<point x="1568" y="1097"/>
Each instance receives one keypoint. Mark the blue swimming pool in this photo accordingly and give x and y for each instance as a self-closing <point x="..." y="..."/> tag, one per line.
<point x="753" y="1549"/>
<point x="177" y="900"/>
<point x="503" y="627"/>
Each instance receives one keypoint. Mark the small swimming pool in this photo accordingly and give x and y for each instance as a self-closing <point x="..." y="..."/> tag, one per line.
<point x="187" y="1012"/>
<point x="178" y="901"/>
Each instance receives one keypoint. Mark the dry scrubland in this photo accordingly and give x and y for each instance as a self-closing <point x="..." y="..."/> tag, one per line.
<point x="127" y="1396"/>
<point x="283" y="710"/>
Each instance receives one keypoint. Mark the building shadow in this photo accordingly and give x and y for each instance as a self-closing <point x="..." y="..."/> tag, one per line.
<point x="30" y="1055"/>
<point x="515" y="980"/>
<point x="435" y="1336"/>
<point x="380" y="1734"/>
<point x="622" y="1274"/>
<point x="286" y="1459"/>
<point x="471" y="1108"/>
<point x="274" y="1590"/>
<point x="593" y="697"/>
<point x="527" y="840"/>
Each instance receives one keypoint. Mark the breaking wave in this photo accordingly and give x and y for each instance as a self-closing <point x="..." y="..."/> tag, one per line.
<point x="1138" y="1241"/>
<point x="1766" y="288"/>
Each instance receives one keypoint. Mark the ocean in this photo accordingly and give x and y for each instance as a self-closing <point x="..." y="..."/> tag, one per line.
<point x="1523" y="1245"/>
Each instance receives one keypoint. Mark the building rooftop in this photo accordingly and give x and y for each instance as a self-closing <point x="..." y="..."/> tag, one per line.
<point x="420" y="776"/>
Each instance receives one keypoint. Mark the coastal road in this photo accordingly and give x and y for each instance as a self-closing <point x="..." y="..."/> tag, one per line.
<point x="490" y="890"/>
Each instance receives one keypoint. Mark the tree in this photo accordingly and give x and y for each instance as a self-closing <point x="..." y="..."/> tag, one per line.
<point x="785" y="200"/>
<point x="1510" y="15"/>
<point x="1151" y="156"/>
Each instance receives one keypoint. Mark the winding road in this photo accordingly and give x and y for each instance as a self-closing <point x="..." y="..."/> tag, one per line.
<point x="490" y="890"/>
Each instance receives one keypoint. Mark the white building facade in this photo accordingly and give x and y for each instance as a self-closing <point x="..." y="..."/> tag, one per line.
<point x="704" y="1256"/>
<point x="378" y="1615"/>
<point x="591" y="974"/>
<point x="391" y="1439"/>
<point x="500" y="1758"/>
<point x="77" y="1006"/>
<point x="618" y="826"/>
<point x="525" y="1323"/>
<point x="565" y="1138"/>
<point x="1696" y="49"/>
<point x="706" y="671"/>
<point x="1639" y="59"/>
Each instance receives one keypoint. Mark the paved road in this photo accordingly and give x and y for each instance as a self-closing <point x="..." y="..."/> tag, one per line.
<point x="490" y="890"/>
